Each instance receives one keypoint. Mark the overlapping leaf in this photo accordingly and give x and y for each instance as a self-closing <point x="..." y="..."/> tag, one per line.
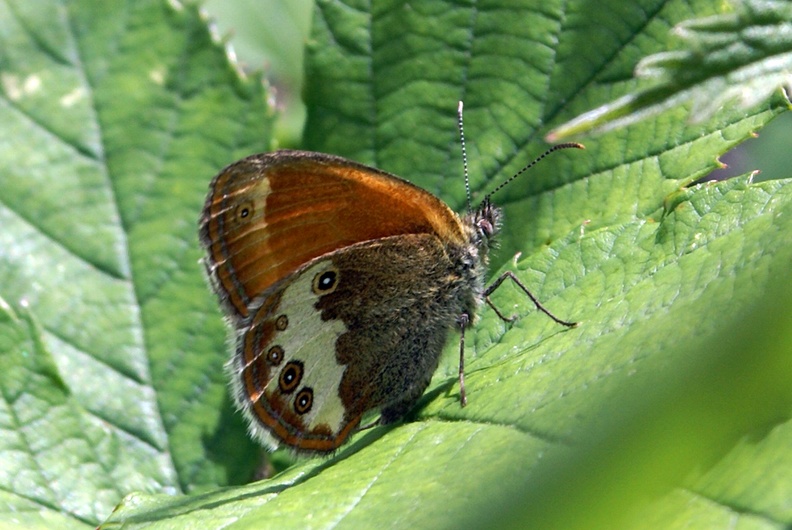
<point x="739" y="57"/>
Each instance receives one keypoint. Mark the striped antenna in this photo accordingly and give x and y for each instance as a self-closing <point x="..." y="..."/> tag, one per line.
<point x="464" y="153"/>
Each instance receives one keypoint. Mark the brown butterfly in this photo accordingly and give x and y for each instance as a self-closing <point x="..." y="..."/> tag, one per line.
<point x="341" y="283"/>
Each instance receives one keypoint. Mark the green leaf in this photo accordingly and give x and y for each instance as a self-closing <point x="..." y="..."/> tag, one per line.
<point x="114" y="118"/>
<point x="741" y="56"/>
<point x="668" y="405"/>
<point x="577" y="436"/>
<point x="61" y="466"/>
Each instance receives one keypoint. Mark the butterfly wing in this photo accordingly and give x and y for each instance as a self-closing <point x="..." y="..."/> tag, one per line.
<point x="269" y="214"/>
<point x="357" y="329"/>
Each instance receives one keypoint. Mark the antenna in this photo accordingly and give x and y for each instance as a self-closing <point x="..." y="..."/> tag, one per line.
<point x="568" y="145"/>
<point x="464" y="153"/>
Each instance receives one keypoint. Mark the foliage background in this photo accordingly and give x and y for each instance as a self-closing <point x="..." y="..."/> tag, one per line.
<point x="669" y="406"/>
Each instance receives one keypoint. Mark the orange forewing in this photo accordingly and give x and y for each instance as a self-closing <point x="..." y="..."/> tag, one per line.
<point x="271" y="213"/>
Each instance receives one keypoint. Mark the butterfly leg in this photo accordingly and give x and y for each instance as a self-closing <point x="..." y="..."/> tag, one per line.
<point x="463" y="321"/>
<point x="510" y="275"/>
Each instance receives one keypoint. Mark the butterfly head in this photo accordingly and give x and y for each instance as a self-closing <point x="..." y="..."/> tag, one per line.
<point x="485" y="222"/>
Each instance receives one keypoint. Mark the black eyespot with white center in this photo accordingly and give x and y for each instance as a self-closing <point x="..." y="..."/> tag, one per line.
<point x="325" y="282"/>
<point x="244" y="212"/>
<point x="304" y="400"/>
<point x="275" y="355"/>
<point x="282" y="322"/>
<point x="290" y="376"/>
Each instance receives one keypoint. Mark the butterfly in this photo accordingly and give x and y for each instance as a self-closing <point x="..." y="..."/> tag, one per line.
<point x="341" y="283"/>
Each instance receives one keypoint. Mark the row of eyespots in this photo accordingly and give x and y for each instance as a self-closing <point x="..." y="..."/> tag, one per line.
<point x="323" y="283"/>
<point x="275" y="354"/>
<point x="289" y="380"/>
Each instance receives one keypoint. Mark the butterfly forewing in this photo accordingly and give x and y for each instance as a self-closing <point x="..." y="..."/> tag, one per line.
<point x="269" y="214"/>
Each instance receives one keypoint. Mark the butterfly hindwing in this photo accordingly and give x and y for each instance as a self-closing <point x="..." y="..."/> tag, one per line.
<point x="354" y="330"/>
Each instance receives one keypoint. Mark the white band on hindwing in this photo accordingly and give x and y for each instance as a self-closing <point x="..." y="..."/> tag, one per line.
<point x="311" y="341"/>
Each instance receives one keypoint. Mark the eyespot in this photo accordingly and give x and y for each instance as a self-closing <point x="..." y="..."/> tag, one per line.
<point x="304" y="400"/>
<point x="325" y="282"/>
<point x="244" y="212"/>
<point x="282" y="322"/>
<point x="275" y="355"/>
<point x="290" y="376"/>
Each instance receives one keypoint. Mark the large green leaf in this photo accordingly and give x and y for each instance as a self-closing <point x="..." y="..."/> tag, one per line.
<point x="114" y="116"/>
<point x="667" y="405"/>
